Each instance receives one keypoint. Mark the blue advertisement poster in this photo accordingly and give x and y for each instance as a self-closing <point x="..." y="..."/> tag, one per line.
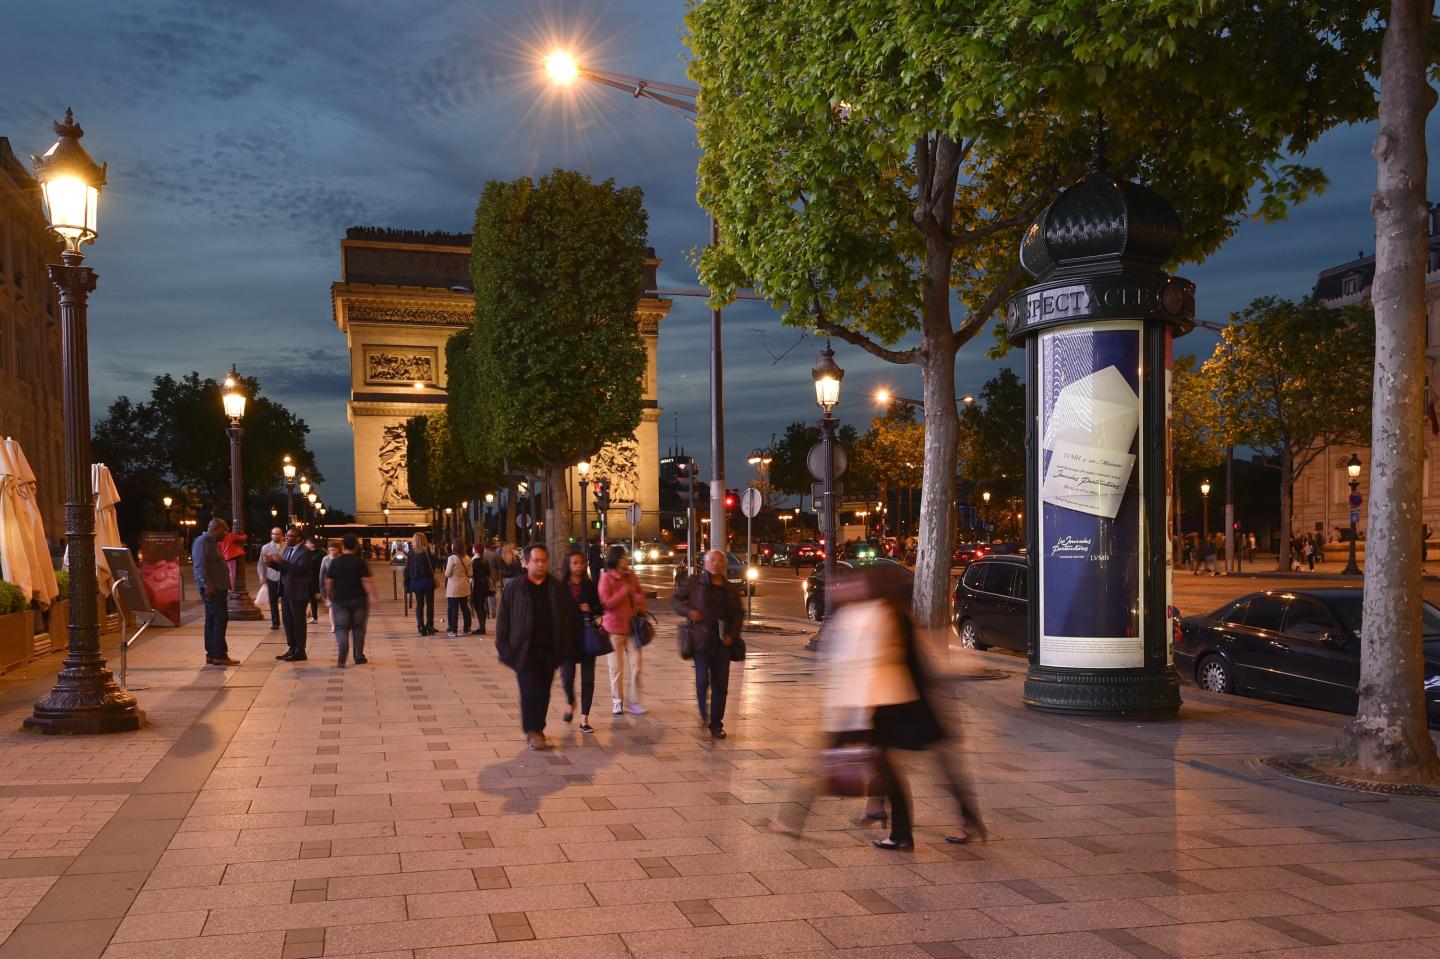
<point x="1090" y="513"/>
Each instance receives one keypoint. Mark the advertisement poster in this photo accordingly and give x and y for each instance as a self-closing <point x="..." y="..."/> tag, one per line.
<point x="160" y="570"/>
<point x="1090" y="515"/>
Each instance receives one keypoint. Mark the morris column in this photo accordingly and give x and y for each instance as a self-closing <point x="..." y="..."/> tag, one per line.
<point x="1097" y="326"/>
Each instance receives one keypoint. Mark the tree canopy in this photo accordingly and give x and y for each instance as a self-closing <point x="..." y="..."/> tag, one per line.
<point x="992" y="436"/>
<point x="789" y="472"/>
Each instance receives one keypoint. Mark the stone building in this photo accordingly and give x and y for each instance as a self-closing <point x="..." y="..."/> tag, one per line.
<point x="403" y="294"/>
<point x="1322" y="490"/>
<point x="31" y="403"/>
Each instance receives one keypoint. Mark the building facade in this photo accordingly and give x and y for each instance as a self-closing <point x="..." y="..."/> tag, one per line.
<point x="1322" y="489"/>
<point x="31" y="398"/>
<point x="402" y="295"/>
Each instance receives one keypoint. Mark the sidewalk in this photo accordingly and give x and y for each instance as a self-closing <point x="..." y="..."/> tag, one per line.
<point x="391" y="810"/>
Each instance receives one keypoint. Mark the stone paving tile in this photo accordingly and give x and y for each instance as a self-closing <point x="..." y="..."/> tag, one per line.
<point x="751" y="939"/>
<point x="585" y="947"/>
<point x="769" y="908"/>
<point x="1371" y="925"/>
<point x="1077" y="916"/>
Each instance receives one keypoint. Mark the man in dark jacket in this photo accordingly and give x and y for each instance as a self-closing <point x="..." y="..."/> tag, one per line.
<point x="532" y="637"/>
<point x="295" y="564"/>
<point x="715" y="613"/>
<point x="213" y="578"/>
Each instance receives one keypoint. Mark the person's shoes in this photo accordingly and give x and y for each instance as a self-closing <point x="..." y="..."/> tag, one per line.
<point x="586" y="728"/>
<point x="616" y="709"/>
<point x="717" y="732"/>
<point x="450" y="632"/>
<point x="866" y="818"/>
<point x="224" y="661"/>
<point x="420" y="630"/>
<point x="287" y="655"/>
<point x="637" y="709"/>
<point x="361" y="660"/>
<point x="299" y="658"/>
<point x="274" y="628"/>
<point x="339" y="664"/>
<point x="892" y="845"/>
<point x="479" y="632"/>
<point x="314" y="619"/>
<point x="782" y="829"/>
<point x="534" y="742"/>
<point x="569" y="714"/>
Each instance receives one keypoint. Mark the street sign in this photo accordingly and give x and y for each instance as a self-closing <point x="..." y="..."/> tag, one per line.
<point x="750" y="501"/>
<point x="817" y="495"/>
<point x="1355" y="500"/>
<point x="633" y="514"/>
<point x="1354" y="516"/>
<point x="815" y="459"/>
<point x="677" y="522"/>
<point x="524" y="521"/>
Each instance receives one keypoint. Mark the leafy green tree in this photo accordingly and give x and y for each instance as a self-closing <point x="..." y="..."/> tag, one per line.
<point x="177" y="444"/>
<point x="1195" y="439"/>
<point x="1290" y="378"/>
<point x="557" y="360"/>
<point x="789" y="472"/>
<point x="992" y="430"/>
<point x="868" y="162"/>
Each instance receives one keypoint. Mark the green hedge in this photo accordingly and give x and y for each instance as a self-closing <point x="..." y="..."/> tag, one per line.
<point x="12" y="598"/>
<point x="62" y="577"/>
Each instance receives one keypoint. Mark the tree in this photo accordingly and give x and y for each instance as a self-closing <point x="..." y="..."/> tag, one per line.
<point x="789" y="471"/>
<point x="1389" y="733"/>
<point x="557" y="361"/>
<point x="1289" y="379"/>
<point x="1194" y="425"/>
<point x="177" y="444"/>
<point x="993" y="432"/>
<point x="863" y="159"/>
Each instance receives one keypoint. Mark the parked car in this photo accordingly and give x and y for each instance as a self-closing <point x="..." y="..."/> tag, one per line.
<point x="1299" y="646"/>
<point x="735" y="572"/>
<point x="814" y="586"/>
<point x="991" y="604"/>
<point x="967" y="553"/>
<point x="654" y="554"/>
<point x="808" y="553"/>
<point x="780" y="553"/>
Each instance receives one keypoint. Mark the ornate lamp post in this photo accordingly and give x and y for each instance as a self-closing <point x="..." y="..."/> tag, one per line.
<point x="168" y="501"/>
<point x="233" y="396"/>
<point x="85" y="698"/>
<point x="385" y="510"/>
<point x="489" y="505"/>
<point x="582" y="469"/>
<point x="986" y="521"/>
<point x="288" y="468"/>
<point x="274" y="512"/>
<point x="1204" y="510"/>
<point x="1352" y="568"/>
<point x="465" y="520"/>
<point x="449" y="523"/>
<point x="827" y="375"/>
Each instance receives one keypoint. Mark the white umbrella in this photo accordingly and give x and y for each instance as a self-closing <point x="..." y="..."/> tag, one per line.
<point x="23" y="552"/>
<point x="107" y="524"/>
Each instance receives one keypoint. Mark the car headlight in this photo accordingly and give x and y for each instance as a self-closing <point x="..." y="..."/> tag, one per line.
<point x="751" y="573"/>
<point x="654" y="554"/>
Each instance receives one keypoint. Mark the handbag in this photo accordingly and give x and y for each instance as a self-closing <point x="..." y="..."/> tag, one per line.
<point x="595" y="641"/>
<point x="687" y="641"/>
<point x="642" y="628"/>
<point x="262" y="595"/>
<point x="737" y="650"/>
<point x="850" y="770"/>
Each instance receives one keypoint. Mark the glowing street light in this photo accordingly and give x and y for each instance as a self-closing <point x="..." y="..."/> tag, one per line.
<point x="561" y="67"/>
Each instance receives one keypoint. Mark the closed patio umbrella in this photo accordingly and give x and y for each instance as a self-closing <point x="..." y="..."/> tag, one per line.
<point x="107" y="523"/>
<point x="24" y="555"/>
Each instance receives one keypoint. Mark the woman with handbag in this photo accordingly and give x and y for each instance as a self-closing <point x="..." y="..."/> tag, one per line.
<point x="623" y="600"/>
<point x="714" y="613"/>
<point x="480" y="587"/>
<point x="590" y="641"/>
<point x="420" y="576"/>
<point x="457" y="589"/>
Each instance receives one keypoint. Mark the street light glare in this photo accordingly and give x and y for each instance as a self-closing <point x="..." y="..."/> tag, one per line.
<point x="561" y="67"/>
<point x="882" y="397"/>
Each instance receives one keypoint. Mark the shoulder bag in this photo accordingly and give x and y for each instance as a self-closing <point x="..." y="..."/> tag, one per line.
<point x="595" y="641"/>
<point x="686" y="635"/>
<point x="642" y="628"/>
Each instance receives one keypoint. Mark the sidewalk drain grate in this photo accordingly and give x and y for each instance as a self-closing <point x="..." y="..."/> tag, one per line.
<point x="1301" y="768"/>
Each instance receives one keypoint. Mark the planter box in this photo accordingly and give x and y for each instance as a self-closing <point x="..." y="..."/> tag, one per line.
<point x="16" y="632"/>
<point x="57" y="629"/>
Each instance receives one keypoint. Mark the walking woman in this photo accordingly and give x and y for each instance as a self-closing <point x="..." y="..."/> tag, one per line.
<point x="350" y="590"/>
<point x="480" y="588"/>
<point x="584" y="607"/>
<point x="420" y="575"/>
<point x="510" y="566"/>
<point x="457" y="588"/>
<point x="622" y="598"/>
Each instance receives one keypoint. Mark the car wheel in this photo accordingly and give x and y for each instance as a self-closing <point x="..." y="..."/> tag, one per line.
<point x="812" y="611"/>
<point x="970" y="636"/>
<point x="1213" y="674"/>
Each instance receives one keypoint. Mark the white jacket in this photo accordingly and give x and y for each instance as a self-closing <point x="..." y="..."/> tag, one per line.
<point x="457" y="577"/>
<point x="865" y="666"/>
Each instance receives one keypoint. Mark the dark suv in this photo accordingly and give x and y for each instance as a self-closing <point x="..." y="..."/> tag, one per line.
<point x="991" y="605"/>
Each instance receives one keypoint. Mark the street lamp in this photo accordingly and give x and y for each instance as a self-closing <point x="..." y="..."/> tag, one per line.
<point x="385" y="510"/>
<point x="274" y="512"/>
<point x="232" y="396"/>
<point x="1204" y="511"/>
<point x="449" y="522"/>
<point x="582" y="469"/>
<point x="288" y="468"/>
<point x="489" y="503"/>
<point x="827" y="376"/>
<point x="168" y="501"/>
<point x="85" y="698"/>
<point x="564" y="69"/>
<point x="1352" y="568"/>
<point x="986" y="521"/>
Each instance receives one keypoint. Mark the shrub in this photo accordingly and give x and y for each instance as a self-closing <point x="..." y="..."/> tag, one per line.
<point x="62" y="579"/>
<point x="12" y="598"/>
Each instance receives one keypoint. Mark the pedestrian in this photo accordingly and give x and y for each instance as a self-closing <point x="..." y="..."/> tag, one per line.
<point x="878" y="682"/>
<point x="596" y="557"/>
<point x="332" y="550"/>
<point x="457" y="588"/>
<point x="622" y="599"/>
<point x="420" y="577"/>
<point x="480" y="588"/>
<point x="1308" y="550"/>
<point x="532" y="637"/>
<point x="312" y="543"/>
<point x="232" y="550"/>
<point x="349" y="589"/>
<point x="715" y="613"/>
<point x="510" y="565"/>
<point x="271" y="576"/>
<point x="492" y="560"/>
<point x="1207" y="557"/>
<point x="212" y="578"/>
<point x="584" y="607"/>
<point x="296" y="565"/>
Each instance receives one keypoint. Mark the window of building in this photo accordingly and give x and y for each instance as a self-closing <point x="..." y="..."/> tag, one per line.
<point x="1350" y="284"/>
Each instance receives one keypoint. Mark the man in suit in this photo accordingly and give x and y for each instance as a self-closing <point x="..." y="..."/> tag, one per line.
<point x="532" y="637"/>
<point x="212" y="577"/>
<point x="294" y="564"/>
<point x="271" y="576"/>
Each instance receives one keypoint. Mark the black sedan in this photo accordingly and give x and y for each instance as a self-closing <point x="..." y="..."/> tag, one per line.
<point x="814" y="585"/>
<point x="991" y="604"/>
<point x="1298" y="646"/>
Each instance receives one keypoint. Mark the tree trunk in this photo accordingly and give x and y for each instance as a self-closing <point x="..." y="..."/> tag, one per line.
<point x="937" y="491"/>
<point x="1287" y="505"/>
<point x="557" y="515"/>
<point x="1390" y="734"/>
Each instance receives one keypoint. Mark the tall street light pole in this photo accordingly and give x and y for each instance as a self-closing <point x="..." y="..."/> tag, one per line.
<point x="827" y="375"/>
<point x="1204" y="512"/>
<point x="582" y="469"/>
<point x="288" y="468"/>
<point x="85" y="698"/>
<point x="1352" y="468"/>
<point x="233" y="396"/>
<point x="563" y="69"/>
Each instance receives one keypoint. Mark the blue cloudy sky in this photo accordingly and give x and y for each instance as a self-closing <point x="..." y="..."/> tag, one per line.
<point x="243" y="137"/>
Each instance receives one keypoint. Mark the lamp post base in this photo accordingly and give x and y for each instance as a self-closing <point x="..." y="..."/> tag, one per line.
<point x="85" y="702"/>
<point x="240" y="606"/>
<point x="1103" y="692"/>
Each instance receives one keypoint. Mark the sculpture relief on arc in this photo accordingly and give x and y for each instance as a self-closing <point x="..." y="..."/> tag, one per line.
<point x="1098" y="326"/>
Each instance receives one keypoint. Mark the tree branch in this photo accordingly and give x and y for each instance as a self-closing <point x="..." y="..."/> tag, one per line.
<point x="850" y="336"/>
<point x="981" y="316"/>
<point x="950" y="170"/>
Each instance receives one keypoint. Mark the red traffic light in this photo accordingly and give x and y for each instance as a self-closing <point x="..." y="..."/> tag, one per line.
<point x="729" y="500"/>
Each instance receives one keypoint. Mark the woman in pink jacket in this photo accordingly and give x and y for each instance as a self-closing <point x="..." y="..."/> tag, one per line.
<point x="622" y="598"/>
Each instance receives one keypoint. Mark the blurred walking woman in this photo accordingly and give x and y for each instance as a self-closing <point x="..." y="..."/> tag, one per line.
<point x="622" y="597"/>
<point x="878" y="681"/>
<point x="420" y="576"/>
<point x="457" y="588"/>
<point x="584" y="607"/>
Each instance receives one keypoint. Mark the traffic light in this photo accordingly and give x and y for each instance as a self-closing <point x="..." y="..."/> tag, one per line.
<point x="602" y="494"/>
<point x="730" y="501"/>
<point x="688" y="485"/>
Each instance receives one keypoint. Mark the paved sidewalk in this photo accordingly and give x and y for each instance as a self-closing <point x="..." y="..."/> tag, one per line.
<point x="391" y="810"/>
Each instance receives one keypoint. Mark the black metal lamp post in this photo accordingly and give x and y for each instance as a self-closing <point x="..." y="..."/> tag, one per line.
<point x="168" y="501"/>
<point x="1204" y="511"/>
<point x="233" y="395"/>
<point x="827" y="375"/>
<point x="986" y="521"/>
<point x="385" y="511"/>
<point x="288" y="468"/>
<point x="582" y="469"/>
<point x="1352" y="568"/>
<point x="489" y="505"/>
<point x="1098" y="325"/>
<point x="85" y="698"/>
<point x="312" y="498"/>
